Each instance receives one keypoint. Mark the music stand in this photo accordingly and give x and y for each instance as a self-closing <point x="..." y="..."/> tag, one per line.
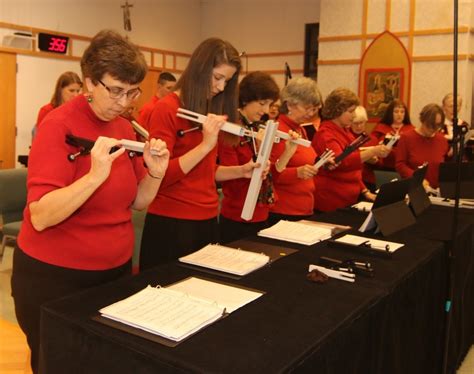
<point x="448" y="177"/>
<point x="389" y="211"/>
<point x="419" y="200"/>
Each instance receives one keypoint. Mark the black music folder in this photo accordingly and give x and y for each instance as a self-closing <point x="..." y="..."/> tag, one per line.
<point x="448" y="179"/>
<point x="390" y="213"/>
<point x="419" y="200"/>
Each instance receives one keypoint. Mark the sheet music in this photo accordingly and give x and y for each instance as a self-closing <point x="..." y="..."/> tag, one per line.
<point x="297" y="232"/>
<point x="363" y="206"/>
<point x="373" y="243"/>
<point x="225" y="296"/>
<point x="178" y="311"/>
<point x="230" y="260"/>
<point x="369" y="223"/>
<point x="164" y="312"/>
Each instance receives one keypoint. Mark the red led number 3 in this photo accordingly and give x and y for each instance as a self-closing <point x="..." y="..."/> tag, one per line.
<point x="57" y="45"/>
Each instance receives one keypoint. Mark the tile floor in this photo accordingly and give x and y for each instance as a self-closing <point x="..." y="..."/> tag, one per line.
<point x="7" y="312"/>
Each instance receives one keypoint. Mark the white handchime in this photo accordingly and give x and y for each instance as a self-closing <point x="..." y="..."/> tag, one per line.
<point x="256" y="180"/>
<point x="271" y="135"/>
<point x="236" y="129"/>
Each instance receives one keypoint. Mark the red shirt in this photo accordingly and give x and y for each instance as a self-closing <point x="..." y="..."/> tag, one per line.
<point x="235" y="191"/>
<point x="414" y="150"/>
<point x="145" y="112"/>
<point x="99" y="235"/>
<point x="342" y="186"/>
<point x="184" y="196"/>
<point x="45" y="109"/>
<point x="295" y="195"/>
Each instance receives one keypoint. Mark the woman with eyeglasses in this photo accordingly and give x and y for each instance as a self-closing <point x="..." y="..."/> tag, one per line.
<point x="294" y="186"/>
<point x="423" y="144"/>
<point x="342" y="186"/>
<point x="184" y="213"/>
<point x="77" y="231"/>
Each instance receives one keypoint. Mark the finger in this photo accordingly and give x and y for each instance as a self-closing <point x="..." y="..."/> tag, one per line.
<point x="117" y="153"/>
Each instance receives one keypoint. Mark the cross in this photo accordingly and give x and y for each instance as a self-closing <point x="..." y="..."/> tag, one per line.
<point x="127" y="23"/>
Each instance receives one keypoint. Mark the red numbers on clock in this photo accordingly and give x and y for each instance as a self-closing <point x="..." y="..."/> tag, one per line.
<point x="57" y="45"/>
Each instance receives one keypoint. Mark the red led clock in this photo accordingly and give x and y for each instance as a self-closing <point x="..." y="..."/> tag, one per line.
<point x="52" y="43"/>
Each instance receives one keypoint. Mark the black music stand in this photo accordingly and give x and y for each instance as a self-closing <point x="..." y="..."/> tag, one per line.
<point x="448" y="178"/>
<point x="419" y="200"/>
<point x="390" y="212"/>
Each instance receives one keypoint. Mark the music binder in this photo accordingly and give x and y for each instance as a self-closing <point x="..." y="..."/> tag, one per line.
<point x="419" y="200"/>
<point x="172" y="314"/>
<point x="448" y="176"/>
<point x="390" y="213"/>
<point x="226" y="259"/>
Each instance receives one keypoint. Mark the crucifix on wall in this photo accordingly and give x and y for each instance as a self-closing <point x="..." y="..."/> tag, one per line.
<point x="127" y="23"/>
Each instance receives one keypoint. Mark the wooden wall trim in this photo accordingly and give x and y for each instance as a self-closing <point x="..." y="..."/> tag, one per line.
<point x="427" y="32"/>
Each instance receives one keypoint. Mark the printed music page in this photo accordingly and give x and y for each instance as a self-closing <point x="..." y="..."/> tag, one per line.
<point x="225" y="296"/>
<point x="297" y="232"/>
<point x="229" y="260"/>
<point x="170" y="314"/>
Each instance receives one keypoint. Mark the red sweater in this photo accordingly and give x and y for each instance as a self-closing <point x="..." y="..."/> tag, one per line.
<point x="184" y="196"/>
<point x="342" y="186"/>
<point x="295" y="195"/>
<point x="99" y="235"/>
<point x="414" y="150"/>
<point x="45" y="109"/>
<point x="235" y="191"/>
<point x="145" y="112"/>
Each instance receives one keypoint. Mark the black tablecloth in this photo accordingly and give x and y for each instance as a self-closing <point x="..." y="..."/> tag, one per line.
<point x="392" y="323"/>
<point x="436" y="224"/>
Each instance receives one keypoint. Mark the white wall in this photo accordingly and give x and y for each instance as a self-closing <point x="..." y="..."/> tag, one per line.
<point x="431" y="80"/>
<point x="261" y="26"/>
<point x="178" y="25"/>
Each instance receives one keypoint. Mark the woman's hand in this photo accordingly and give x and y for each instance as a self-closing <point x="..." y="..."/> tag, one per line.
<point x="290" y="147"/>
<point x="247" y="169"/>
<point x="156" y="156"/>
<point x="211" y="128"/>
<point x="306" y="171"/>
<point x="102" y="159"/>
<point x="381" y="151"/>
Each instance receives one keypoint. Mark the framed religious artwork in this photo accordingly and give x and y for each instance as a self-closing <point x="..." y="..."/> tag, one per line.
<point x="381" y="87"/>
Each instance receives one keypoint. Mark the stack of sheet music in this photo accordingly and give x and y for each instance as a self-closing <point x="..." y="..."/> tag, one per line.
<point x="229" y="260"/>
<point x="303" y="232"/>
<point x="178" y="311"/>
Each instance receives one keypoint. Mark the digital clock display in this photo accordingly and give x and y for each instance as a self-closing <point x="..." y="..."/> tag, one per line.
<point x="52" y="43"/>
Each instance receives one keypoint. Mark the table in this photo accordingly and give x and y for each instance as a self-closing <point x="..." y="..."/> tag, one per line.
<point x="392" y="323"/>
<point x="436" y="224"/>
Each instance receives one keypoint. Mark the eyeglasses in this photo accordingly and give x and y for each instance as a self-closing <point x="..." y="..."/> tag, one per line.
<point x="116" y="93"/>
<point x="310" y="109"/>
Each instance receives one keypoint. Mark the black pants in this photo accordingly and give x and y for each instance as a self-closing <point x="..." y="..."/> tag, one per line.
<point x="35" y="282"/>
<point x="230" y="230"/>
<point x="166" y="239"/>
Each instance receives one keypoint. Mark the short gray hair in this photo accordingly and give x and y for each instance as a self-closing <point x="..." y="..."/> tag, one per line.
<point x="301" y="90"/>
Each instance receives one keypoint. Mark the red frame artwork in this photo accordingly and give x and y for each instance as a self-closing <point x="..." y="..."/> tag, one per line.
<point x="381" y="87"/>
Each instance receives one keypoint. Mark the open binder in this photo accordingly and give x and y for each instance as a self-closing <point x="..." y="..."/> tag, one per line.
<point x="226" y="259"/>
<point x="419" y="200"/>
<point x="389" y="212"/>
<point x="169" y="315"/>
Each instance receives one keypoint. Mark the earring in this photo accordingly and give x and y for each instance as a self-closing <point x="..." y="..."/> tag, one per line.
<point x="89" y="99"/>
